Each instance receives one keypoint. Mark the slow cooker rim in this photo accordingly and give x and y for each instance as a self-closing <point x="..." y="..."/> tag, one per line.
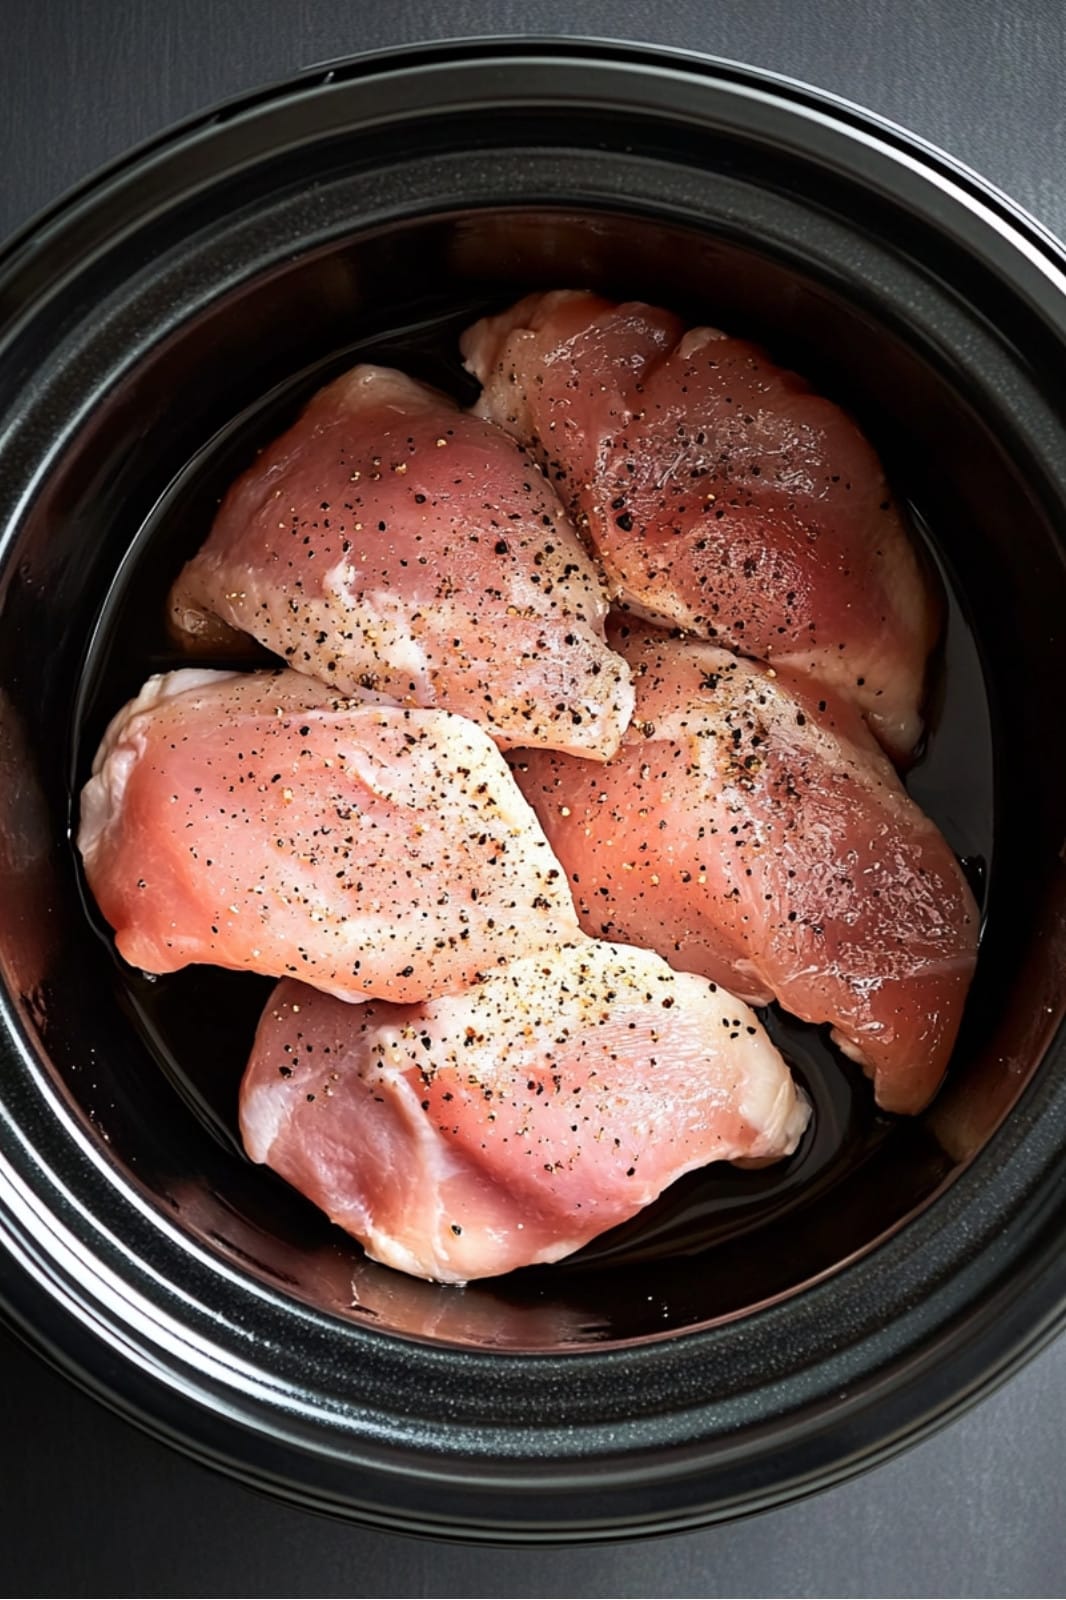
<point x="344" y="68"/>
<point x="1043" y="248"/>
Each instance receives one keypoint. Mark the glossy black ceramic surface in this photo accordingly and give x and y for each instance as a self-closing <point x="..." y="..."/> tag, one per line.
<point x="757" y="1333"/>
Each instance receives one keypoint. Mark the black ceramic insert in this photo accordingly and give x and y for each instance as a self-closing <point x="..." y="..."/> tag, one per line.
<point x="754" y="1334"/>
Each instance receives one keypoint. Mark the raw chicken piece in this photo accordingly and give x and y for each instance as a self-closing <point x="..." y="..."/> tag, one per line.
<point x="256" y="820"/>
<point x="511" y="1124"/>
<point x="721" y="495"/>
<point x="751" y="830"/>
<point x="390" y="542"/>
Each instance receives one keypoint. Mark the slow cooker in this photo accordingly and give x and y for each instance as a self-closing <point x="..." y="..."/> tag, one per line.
<point x="755" y="1337"/>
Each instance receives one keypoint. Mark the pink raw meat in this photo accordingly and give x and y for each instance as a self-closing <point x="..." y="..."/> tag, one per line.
<point x="259" y="821"/>
<point x="509" y="1125"/>
<point x="750" y="829"/>
<point x="390" y="543"/>
<point x="720" y="493"/>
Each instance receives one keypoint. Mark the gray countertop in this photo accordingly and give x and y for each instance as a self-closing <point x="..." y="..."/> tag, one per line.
<point x="89" y="1506"/>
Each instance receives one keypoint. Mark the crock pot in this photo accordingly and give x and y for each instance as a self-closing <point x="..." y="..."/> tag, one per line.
<point x="757" y="1336"/>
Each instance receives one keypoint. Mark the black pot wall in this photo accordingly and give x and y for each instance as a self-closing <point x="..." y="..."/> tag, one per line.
<point x="759" y="1336"/>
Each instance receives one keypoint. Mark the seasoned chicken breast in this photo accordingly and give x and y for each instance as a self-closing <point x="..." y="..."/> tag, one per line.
<point x="750" y="829"/>
<point x="390" y="544"/>
<point x="260" y="821"/>
<point x="477" y="1133"/>
<point x="721" y="495"/>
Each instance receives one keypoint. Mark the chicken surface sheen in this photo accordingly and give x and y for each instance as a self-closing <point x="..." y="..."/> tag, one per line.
<point x="721" y="495"/>
<point x="390" y="542"/>
<point x="259" y="821"/>
<point x="511" y="1124"/>
<point x="750" y="829"/>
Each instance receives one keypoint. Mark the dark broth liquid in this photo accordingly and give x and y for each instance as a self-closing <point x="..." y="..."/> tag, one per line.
<point x="764" y="1230"/>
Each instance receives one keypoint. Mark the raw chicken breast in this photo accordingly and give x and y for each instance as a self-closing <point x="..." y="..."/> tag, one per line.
<point x="751" y="830"/>
<point x="721" y="495"/>
<point x="256" y="820"/>
<point x="511" y="1124"/>
<point x="390" y="542"/>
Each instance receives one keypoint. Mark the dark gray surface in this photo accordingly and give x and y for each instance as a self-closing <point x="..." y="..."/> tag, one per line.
<point x="88" y="1506"/>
